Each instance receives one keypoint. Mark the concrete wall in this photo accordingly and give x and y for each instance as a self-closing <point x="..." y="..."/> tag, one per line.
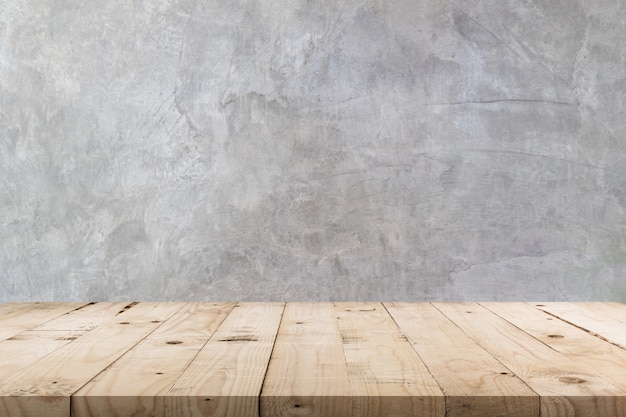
<point x="312" y="150"/>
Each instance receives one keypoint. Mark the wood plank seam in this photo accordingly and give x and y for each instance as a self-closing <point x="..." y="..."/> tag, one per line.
<point x="189" y="329"/>
<point x="228" y="369"/>
<point x="606" y="359"/>
<point x="517" y="327"/>
<point x="53" y="334"/>
<point x="47" y="385"/>
<point x="139" y="340"/>
<point x="27" y="306"/>
<point x="487" y="350"/>
<point x="55" y="318"/>
<point x="566" y="386"/>
<point x="492" y="385"/>
<point x="125" y="352"/>
<point x="571" y="370"/>
<point x="599" y="336"/>
<point x="419" y="356"/>
<point x="606" y="324"/>
<point x="446" y="394"/>
<point x="206" y="341"/>
<point x="479" y="344"/>
<point x="282" y="314"/>
<point x="307" y="374"/>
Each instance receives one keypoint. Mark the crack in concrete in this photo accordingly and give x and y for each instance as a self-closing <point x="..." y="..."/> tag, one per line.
<point x="503" y="100"/>
<point x="525" y="59"/>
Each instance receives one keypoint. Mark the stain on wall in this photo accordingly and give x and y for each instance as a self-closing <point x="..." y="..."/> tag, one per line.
<point x="312" y="150"/>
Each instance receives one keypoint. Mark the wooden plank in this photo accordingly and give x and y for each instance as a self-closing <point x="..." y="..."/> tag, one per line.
<point x="13" y="306"/>
<point x="45" y="386"/>
<point x="86" y="318"/>
<point x="137" y="383"/>
<point x="586" y="318"/>
<point x="616" y="311"/>
<point x="566" y="387"/>
<point x="605" y="358"/>
<point x="226" y="376"/>
<point x="18" y="317"/>
<point x="386" y="374"/>
<point x="16" y="308"/>
<point x="307" y="374"/>
<point x="29" y="346"/>
<point x="475" y="383"/>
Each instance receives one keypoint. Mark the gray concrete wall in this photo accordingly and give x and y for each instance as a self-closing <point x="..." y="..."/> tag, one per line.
<point x="312" y="150"/>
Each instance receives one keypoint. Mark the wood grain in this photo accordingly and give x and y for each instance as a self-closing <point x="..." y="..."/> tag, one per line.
<point x="31" y="345"/>
<point x="312" y="359"/>
<point x="386" y="375"/>
<point x="476" y="383"/>
<point x="18" y="317"/>
<point x="307" y="374"/>
<point x="45" y="387"/>
<point x="85" y="318"/>
<point x="567" y="387"/>
<point x="604" y="358"/>
<point x="616" y="311"/>
<point x="585" y="317"/>
<point x="150" y="369"/>
<point x="226" y="376"/>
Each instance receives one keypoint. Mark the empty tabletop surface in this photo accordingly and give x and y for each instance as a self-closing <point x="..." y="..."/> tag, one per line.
<point x="275" y="359"/>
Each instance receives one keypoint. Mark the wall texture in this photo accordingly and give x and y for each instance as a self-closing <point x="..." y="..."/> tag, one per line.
<point x="312" y="150"/>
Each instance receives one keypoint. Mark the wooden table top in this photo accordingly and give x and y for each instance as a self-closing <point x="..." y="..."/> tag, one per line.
<point x="312" y="359"/>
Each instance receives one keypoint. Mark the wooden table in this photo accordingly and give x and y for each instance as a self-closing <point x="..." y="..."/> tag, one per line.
<point x="312" y="359"/>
